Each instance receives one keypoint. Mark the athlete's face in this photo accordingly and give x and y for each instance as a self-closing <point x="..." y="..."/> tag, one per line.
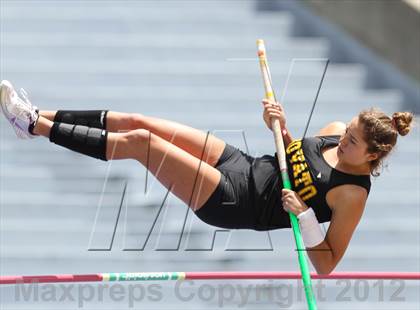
<point x="352" y="148"/>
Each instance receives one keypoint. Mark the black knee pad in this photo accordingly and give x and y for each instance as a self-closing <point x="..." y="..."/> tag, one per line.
<point x="91" y="118"/>
<point x="82" y="139"/>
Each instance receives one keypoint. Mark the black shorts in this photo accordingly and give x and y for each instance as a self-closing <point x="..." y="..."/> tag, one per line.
<point x="231" y="205"/>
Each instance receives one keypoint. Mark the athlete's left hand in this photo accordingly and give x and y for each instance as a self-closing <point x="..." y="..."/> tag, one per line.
<point x="292" y="202"/>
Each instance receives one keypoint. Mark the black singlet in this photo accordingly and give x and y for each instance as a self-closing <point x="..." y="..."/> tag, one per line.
<point x="311" y="176"/>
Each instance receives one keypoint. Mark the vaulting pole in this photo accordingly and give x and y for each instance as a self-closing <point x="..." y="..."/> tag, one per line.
<point x="278" y="139"/>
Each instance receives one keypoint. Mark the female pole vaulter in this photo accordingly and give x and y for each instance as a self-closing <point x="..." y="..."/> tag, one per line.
<point x="226" y="187"/>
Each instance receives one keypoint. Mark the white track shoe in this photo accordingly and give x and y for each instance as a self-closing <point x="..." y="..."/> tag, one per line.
<point x="18" y="111"/>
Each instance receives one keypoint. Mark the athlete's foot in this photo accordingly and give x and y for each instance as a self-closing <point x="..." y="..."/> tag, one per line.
<point x="21" y="114"/>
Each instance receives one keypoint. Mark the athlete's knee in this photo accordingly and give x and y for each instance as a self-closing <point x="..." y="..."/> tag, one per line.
<point x="137" y="137"/>
<point x="136" y="121"/>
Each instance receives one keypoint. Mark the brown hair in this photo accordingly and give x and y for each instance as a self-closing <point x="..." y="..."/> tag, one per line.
<point x="381" y="132"/>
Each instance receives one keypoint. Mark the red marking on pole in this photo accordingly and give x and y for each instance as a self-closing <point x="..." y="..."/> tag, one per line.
<point x="51" y="278"/>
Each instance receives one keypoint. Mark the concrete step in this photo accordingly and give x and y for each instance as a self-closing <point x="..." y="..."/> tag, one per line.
<point x="148" y="42"/>
<point x="73" y="234"/>
<point x="121" y="97"/>
<point x="78" y="253"/>
<point x="259" y="26"/>
<point x="125" y="57"/>
<point x="157" y="12"/>
<point x="183" y="74"/>
<point x="210" y="261"/>
<point x="200" y="67"/>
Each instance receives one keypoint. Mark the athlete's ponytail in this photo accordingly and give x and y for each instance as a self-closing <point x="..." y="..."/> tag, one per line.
<point x="401" y="121"/>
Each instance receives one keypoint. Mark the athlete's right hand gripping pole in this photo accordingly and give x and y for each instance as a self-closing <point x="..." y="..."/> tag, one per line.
<point x="275" y="125"/>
